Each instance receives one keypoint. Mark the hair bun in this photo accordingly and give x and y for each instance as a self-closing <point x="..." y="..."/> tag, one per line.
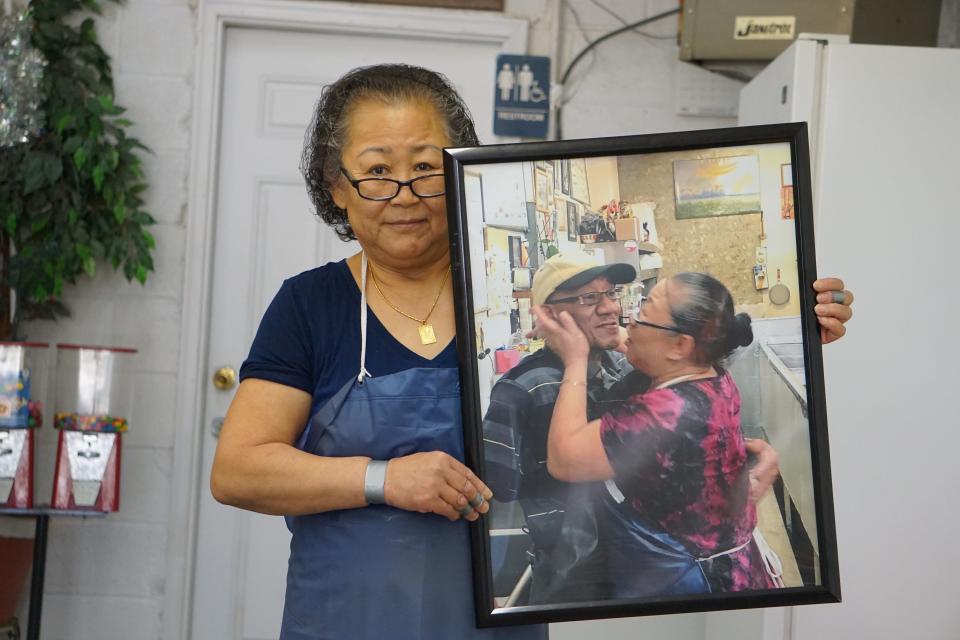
<point x="742" y="334"/>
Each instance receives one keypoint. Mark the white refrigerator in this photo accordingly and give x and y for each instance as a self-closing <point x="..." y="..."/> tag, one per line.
<point x="885" y="149"/>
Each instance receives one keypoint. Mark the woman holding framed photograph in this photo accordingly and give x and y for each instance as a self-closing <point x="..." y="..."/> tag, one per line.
<point x="679" y="518"/>
<point x="347" y="419"/>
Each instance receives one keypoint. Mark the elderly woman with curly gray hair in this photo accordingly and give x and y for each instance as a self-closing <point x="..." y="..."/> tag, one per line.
<point x="347" y="418"/>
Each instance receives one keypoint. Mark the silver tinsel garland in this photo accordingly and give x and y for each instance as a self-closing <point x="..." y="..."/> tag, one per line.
<point x="21" y="75"/>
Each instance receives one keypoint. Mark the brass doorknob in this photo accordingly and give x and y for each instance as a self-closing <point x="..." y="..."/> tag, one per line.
<point x="225" y="378"/>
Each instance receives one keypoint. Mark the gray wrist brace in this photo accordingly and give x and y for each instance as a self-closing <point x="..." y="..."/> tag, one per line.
<point x="374" y="480"/>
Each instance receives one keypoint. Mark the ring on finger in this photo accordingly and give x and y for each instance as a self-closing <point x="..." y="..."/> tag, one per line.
<point x="839" y="297"/>
<point x="466" y="510"/>
<point x="477" y="500"/>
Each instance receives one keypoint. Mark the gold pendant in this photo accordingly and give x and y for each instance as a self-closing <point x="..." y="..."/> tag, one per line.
<point x="427" y="336"/>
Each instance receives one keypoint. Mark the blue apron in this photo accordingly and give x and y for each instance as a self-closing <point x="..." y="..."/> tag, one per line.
<point x="379" y="572"/>
<point x="626" y="557"/>
<point x="639" y="559"/>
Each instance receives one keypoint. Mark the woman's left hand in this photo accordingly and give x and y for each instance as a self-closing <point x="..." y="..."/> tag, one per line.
<point x="766" y="469"/>
<point x="833" y="308"/>
<point x="561" y="333"/>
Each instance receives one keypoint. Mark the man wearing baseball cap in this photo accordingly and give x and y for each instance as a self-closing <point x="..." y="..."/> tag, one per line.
<point x="559" y="516"/>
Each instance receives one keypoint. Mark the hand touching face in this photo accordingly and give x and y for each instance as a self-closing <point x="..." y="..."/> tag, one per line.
<point x="562" y="333"/>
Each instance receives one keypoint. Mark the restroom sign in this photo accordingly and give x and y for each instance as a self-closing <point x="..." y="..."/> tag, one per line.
<point x="522" y="103"/>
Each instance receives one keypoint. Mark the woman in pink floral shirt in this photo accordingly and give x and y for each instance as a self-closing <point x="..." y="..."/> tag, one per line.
<point x="673" y="454"/>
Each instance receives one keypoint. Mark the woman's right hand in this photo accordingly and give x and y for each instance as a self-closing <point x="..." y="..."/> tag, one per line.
<point x="562" y="334"/>
<point x="434" y="482"/>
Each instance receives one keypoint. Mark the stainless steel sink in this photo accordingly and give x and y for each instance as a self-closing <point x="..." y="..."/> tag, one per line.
<point x="790" y="355"/>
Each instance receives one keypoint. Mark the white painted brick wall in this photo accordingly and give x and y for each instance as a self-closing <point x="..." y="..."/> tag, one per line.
<point x="106" y="576"/>
<point x="627" y="84"/>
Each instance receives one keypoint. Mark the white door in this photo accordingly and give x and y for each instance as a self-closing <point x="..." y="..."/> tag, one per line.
<point x="265" y="231"/>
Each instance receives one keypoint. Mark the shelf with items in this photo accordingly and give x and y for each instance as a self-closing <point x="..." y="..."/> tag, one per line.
<point x="642" y="247"/>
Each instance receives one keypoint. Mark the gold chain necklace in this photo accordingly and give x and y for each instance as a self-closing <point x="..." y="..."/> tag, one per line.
<point x="427" y="334"/>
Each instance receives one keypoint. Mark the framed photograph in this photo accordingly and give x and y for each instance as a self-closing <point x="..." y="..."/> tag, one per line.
<point x="579" y="189"/>
<point x="717" y="186"/>
<point x="573" y="221"/>
<point x="565" y="177"/>
<point x="516" y="251"/>
<point x="543" y="185"/>
<point x="786" y="192"/>
<point x="550" y="186"/>
<point x="633" y="520"/>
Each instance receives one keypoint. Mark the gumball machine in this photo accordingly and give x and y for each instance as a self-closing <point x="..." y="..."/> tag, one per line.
<point x="22" y="386"/>
<point x="93" y="401"/>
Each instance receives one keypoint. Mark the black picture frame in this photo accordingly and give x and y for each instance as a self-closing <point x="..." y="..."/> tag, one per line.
<point x="644" y="166"/>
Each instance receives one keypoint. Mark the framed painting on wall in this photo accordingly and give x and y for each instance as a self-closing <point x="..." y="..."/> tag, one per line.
<point x="717" y="186"/>
<point x="573" y="221"/>
<point x="543" y="185"/>
<point x="579" y="189"/>
<point x="515" y="248"/>
<point x="786" y="192"/>
<point x="606" y="523"/>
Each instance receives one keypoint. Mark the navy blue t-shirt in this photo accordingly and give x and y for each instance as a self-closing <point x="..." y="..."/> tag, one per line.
<point x="309" y="337"/>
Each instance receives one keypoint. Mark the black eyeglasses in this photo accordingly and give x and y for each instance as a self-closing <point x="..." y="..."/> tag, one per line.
<point x="635" y="316"/>
<point x="592" y="298"/>
<point x="429" y="186"/>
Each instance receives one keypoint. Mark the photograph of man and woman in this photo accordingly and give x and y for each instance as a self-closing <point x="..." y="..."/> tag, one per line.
<point x="642" y="382"/>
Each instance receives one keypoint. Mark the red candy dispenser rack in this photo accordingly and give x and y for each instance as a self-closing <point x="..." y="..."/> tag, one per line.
<point x="94" y="396"/>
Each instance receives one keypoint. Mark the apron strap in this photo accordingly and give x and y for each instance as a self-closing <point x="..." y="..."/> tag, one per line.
<point x="673" y="381"/>
<point x="363" y="373"/>
<point x="728" y="551"/>
<point x="771" y="561"/>
<point x="614" y="491"/>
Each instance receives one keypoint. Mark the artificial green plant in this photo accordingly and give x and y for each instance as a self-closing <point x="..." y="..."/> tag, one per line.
<point x="73" y="195"/>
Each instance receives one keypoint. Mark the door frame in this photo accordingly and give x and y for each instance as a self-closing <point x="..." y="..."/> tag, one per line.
<point x="214" y="17"/>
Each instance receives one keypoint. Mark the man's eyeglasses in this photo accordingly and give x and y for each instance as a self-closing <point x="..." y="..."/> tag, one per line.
<point x="429" y="186"/>
<point x="635" y="316"/>
<point x="592" y="298"/>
